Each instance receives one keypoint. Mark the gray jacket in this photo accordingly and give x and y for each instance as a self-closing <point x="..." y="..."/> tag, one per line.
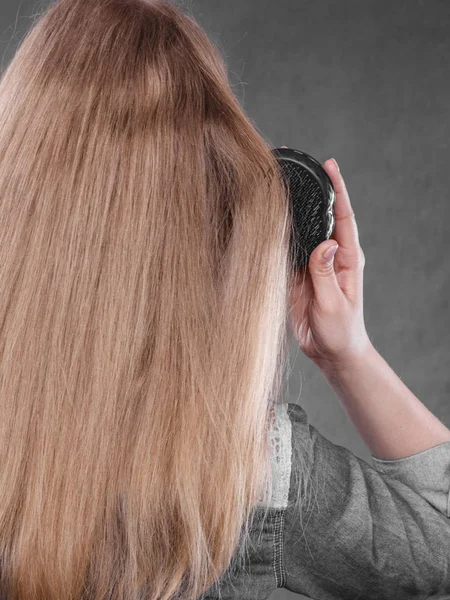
<point x="360" y="532"/>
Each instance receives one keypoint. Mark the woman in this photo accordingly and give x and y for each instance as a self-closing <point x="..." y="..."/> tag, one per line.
<point x="146" y="288"/>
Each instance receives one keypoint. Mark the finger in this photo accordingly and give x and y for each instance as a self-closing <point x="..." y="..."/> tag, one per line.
<point x="346" y="231"/>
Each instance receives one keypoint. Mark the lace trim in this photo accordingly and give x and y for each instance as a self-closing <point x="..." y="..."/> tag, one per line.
<point x="280" y="436"/>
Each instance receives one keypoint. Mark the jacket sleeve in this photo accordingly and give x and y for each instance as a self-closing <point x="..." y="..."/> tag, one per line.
<point x="357" y="531"/>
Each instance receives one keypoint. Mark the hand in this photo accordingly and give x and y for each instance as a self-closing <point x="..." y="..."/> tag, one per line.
<point x="326" y="299"/>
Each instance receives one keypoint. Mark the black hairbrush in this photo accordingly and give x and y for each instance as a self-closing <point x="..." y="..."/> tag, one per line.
<point x="312" y="200"/>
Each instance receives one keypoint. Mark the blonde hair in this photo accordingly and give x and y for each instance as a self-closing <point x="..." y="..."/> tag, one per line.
<point x="145" y="274"/>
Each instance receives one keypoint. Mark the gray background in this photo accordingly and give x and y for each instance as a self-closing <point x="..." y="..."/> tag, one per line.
<point x="366" y="82"/>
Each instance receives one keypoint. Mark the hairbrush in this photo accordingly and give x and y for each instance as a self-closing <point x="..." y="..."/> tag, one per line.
<point x="312" y="198"/>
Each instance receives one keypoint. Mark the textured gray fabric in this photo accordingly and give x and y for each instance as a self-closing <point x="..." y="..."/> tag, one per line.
<point x="360" y="532"/>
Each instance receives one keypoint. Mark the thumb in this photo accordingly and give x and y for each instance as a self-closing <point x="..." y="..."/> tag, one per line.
<point x="326" y="286"/>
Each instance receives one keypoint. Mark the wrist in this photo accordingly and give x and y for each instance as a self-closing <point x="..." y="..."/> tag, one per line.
<point x="351" y="361"/>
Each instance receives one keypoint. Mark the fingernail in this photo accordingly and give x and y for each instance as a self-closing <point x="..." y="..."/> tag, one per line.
<point x="328" y="254"/>
<point x="335" y="162"/>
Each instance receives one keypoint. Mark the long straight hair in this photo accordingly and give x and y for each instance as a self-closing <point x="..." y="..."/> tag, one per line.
<point x="145" y="276"/>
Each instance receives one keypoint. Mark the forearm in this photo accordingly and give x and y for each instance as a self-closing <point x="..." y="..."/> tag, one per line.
<point x="392" y="421"/>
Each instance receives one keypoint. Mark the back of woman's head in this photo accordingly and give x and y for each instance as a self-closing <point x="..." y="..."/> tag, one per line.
<point x="144" y="268"/>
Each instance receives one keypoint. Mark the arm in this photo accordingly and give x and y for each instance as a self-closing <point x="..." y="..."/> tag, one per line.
<point x="389" y="417"/>
<point x="356" y="532"/>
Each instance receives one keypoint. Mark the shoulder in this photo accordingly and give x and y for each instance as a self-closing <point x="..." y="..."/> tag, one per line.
<point x="285" y="433"/>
